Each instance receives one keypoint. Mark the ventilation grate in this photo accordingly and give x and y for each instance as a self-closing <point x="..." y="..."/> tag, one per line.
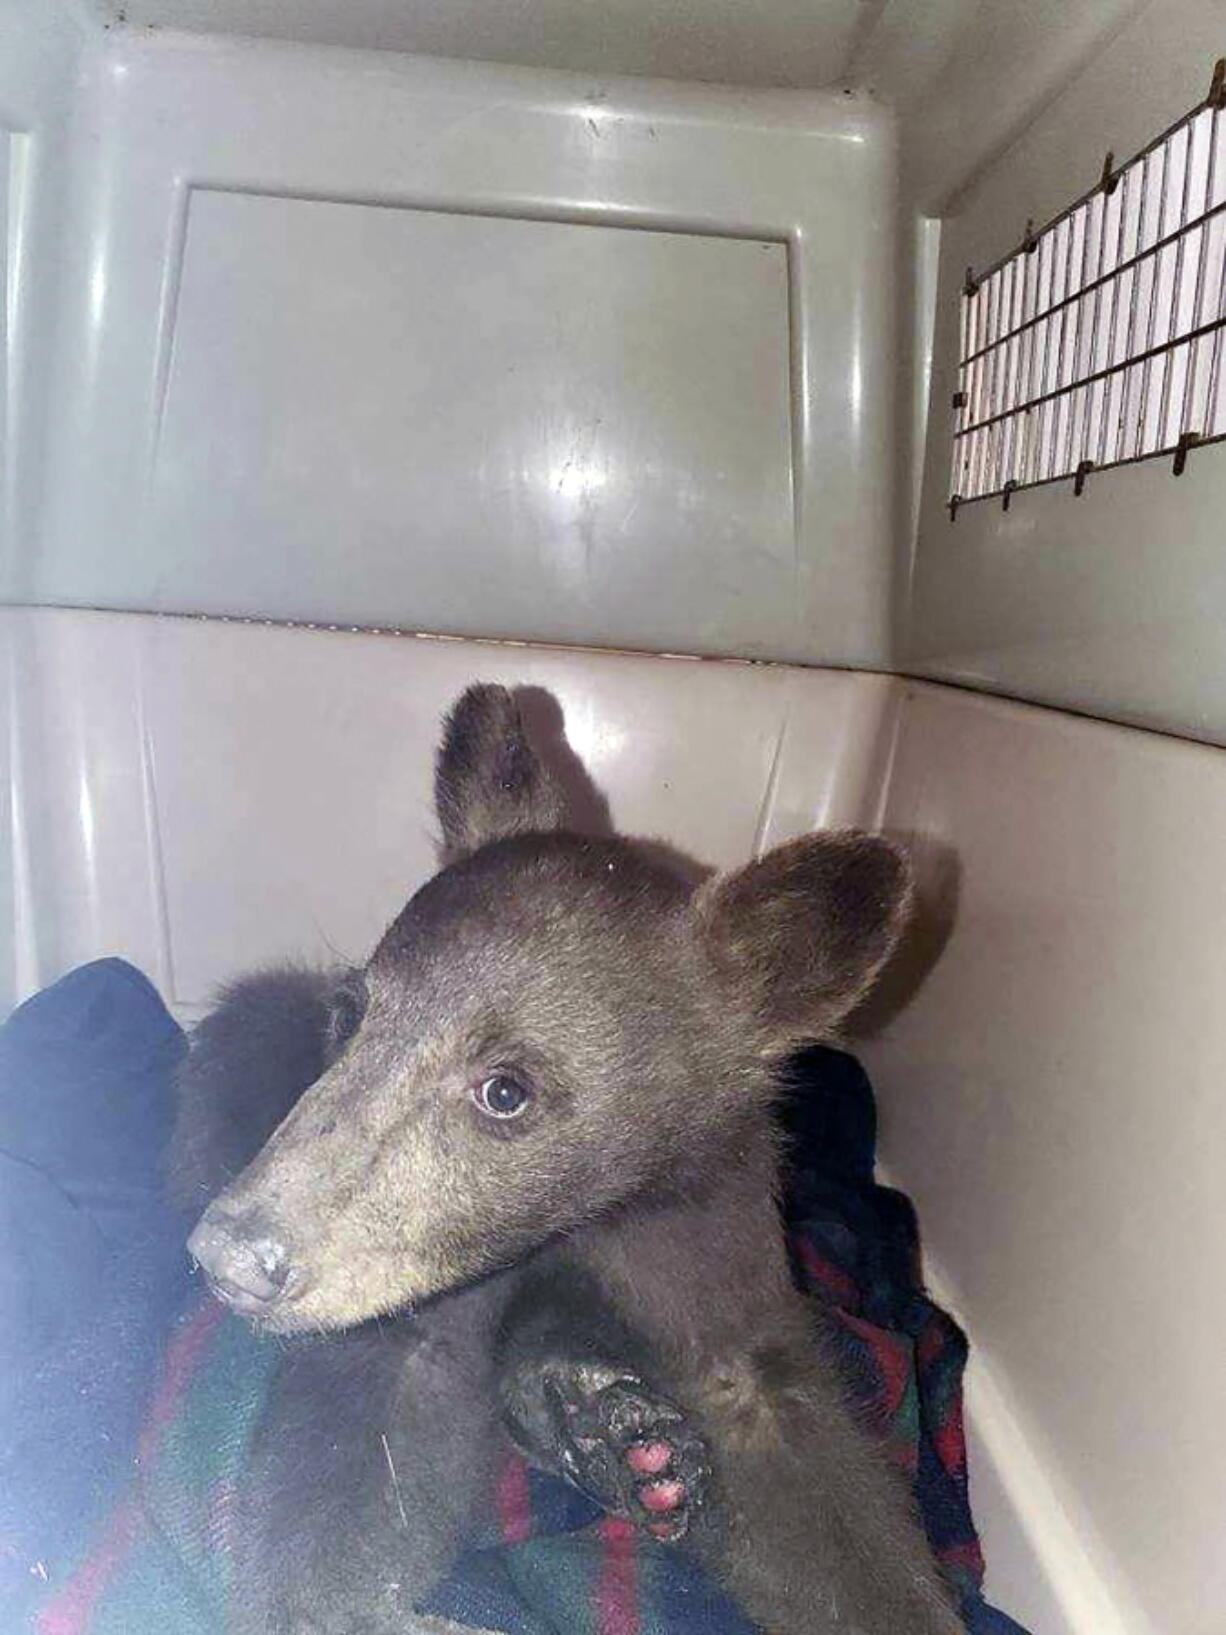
<point x="1100" y="341"/>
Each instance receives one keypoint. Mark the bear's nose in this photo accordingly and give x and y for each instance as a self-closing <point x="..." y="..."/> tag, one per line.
<point x="248" y="1267"/>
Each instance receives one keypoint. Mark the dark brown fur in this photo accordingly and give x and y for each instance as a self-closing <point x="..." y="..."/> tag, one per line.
<point x="634" y="1190"/>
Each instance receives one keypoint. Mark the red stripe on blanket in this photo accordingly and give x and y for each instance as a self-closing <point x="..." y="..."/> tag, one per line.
<point x="826" y="1275"/>
<point x="893" y="1364"/>
<point x="617" y="1588"/>
<point x="71" y="1610"/>
<point x="949" y="1438"/>
<point x="178" y="1366"/>
<point x="968" y="1556"/>
<point x="932" y="1342"/>
<point x="514" y="1500"/>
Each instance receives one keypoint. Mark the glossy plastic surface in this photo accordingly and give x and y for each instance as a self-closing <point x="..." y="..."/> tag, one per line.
<point x="1053" y="1099"/>
<point x="331" y="323"/>
<point x="1113" y="603"/>
<point x="203" y="796"/>
<point x="540" y="428"/>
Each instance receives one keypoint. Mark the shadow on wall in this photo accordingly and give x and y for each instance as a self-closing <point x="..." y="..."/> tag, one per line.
<point x="587" y="808"/>
<point x="938" y="871"/>
<point x="938" y="887"/>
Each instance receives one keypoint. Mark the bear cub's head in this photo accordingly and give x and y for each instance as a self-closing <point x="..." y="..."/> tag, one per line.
<point x="553" y="1027"/>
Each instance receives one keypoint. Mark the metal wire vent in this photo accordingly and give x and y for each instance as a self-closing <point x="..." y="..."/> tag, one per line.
<point x="1099" y="342"/>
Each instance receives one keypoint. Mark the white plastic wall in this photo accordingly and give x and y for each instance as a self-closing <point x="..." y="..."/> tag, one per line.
<point x="623" y="348"/>
<point x="42" y="52"/>
<point x="1052" y="1097"/>
<point x="1109" y="604"/>
<point x="204" y="796"/>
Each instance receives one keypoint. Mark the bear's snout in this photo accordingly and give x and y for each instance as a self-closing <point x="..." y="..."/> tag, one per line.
<point x="247" y="1266"/>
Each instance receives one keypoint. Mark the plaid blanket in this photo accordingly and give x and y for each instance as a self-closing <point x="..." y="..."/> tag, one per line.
<point x="549" y="1563"/>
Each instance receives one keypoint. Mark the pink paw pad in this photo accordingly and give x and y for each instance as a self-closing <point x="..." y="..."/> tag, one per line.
<point x="649" y="1458"/>
<point x="662" y="1496"/>
<point x="667" y="1530"/>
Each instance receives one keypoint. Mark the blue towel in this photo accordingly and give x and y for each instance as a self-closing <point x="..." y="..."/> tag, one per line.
<point x="92" y="1265"/>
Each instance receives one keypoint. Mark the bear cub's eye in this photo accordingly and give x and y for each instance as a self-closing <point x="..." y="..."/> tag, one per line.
<point x="502" y="1095"/>
<point x="346" y="1008"/>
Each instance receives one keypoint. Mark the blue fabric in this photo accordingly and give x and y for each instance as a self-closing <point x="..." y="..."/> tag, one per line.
<point x="92" y="1266"/>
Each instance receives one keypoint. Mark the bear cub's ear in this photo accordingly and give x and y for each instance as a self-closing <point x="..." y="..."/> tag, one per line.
<point x="800" y="935"/>
<point x="488" y="781"/>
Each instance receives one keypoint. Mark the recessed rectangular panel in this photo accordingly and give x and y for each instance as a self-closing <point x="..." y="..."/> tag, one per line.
<point x="477" y="424"/>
